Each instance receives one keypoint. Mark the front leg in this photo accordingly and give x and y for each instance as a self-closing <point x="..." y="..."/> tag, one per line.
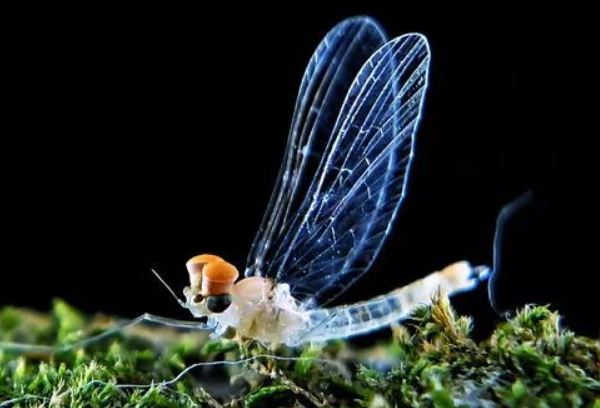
<point x="118" y="328"/>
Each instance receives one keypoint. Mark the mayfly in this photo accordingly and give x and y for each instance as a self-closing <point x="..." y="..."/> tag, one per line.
<point x="343" y="178"/>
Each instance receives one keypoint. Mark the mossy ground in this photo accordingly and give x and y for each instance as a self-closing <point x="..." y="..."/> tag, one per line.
<point x="432" y="362"/>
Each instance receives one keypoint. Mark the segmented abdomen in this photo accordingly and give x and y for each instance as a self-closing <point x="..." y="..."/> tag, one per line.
<point x="363" y="317"/>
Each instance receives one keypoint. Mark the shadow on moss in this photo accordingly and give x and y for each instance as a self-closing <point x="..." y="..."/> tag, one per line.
<point x="431" y="362"/>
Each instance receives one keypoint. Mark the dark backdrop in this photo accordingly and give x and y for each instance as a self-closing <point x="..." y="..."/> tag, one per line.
<point x="138" y="137"/>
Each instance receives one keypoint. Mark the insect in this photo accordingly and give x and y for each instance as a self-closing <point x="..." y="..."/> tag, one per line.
<point x="343" y="178"/>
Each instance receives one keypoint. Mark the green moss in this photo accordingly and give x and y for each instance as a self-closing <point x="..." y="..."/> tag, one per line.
<point x="528" y="361"/>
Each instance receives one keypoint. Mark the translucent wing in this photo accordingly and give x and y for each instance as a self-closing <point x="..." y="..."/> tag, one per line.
<point x="327" y="79"/>
<point x="352" y="202"/>
<point x="329" y="240"/>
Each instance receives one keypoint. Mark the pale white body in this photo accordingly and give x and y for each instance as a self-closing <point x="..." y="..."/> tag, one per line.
<point x="269" y="314"/>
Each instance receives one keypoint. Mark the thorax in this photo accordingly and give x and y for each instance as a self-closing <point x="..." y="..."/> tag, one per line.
<point x="264" y="311"/>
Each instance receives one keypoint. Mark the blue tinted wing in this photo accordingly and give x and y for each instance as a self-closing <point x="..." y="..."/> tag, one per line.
<point x="350" y="205"/>
<point x="327" y="79"/>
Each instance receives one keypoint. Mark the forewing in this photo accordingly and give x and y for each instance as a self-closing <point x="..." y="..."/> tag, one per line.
<point x="327" y="79"/>
<point x="360" y="182"/>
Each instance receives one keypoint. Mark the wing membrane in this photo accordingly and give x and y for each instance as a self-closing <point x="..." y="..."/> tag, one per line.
<point x="351" y="207"/>
<point x="326" y="81"/>
<point x="343" y="179"/>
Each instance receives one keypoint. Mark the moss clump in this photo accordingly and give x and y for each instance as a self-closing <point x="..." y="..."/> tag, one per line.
<point x="430" y="362"/>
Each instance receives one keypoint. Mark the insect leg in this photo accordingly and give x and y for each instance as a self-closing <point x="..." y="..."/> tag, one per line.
<point x="146" y="317"/>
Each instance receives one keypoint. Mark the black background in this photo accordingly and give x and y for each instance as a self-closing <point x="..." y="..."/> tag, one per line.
<point x="139" y="137"/>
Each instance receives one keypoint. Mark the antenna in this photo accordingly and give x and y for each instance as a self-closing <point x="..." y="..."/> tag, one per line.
<point x="181" y="302"/>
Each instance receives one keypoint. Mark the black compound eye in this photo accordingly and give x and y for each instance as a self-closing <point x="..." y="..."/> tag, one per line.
<point x="218" y="303"/>
<point x="198" y="298"/>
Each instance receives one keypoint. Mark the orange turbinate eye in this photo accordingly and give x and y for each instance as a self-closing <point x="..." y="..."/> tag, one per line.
<point x="218" y="278"/>
<point x="196" y="265"/>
